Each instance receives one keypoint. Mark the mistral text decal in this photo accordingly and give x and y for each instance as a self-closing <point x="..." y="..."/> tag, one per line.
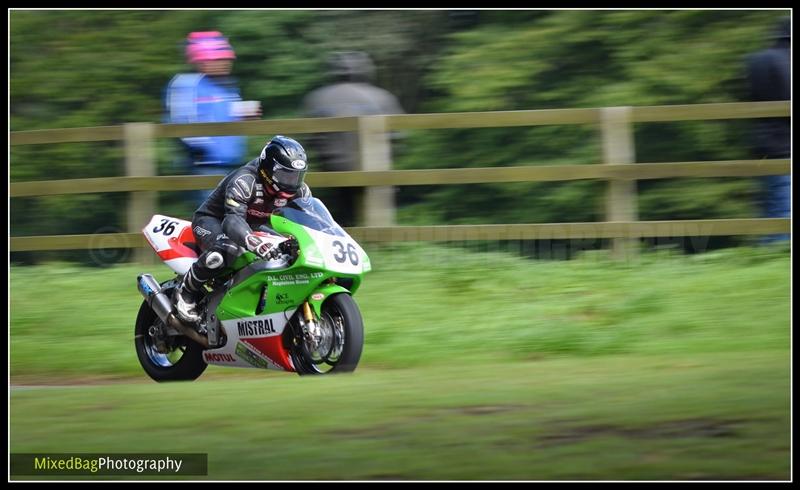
<point x="250" y="328"/>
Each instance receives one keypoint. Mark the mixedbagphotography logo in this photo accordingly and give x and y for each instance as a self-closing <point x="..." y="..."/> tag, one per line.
<point x="32" y="464"/>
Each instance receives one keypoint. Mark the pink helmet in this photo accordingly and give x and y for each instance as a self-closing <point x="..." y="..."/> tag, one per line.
<point x="208" y="45"/>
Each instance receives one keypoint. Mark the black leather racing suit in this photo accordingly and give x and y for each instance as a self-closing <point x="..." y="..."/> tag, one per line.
<point x="237" y="207"/>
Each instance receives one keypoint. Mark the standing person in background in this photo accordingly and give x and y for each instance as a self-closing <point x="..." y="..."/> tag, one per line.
<point x="209" y="95"/>
<point x="768" y="75"/>
<point x="351" y="93"/>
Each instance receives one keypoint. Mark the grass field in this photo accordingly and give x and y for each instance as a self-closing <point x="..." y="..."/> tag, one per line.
<point x="476" y="366"/>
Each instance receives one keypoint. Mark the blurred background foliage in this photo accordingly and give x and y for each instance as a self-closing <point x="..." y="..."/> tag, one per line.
<point x="93" y="68"/>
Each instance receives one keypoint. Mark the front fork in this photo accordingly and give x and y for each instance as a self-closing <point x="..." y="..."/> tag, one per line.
<point x="307" y="313"/>
<point x="310" y="326"/>
<point x="312" y="312"/>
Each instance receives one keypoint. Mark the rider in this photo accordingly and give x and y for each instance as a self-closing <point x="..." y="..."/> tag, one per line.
<point x="241" y="203"/>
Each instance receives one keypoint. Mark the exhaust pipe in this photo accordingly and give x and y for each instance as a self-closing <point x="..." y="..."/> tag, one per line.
<point x="162" y="306"/>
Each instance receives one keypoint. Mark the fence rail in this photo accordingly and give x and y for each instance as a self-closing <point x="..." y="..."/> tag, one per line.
<point x="729" y="110"/>
<point x="616" y="126"/>
<point x="455" y="233"/>
<point x="543" y="173"/>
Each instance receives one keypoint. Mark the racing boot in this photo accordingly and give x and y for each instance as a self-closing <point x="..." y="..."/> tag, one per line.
<point x="185" y="298"/>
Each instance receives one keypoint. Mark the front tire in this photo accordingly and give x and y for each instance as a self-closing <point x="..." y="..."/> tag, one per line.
<point x="165" y="358"/>
<point x="342" y="339"/>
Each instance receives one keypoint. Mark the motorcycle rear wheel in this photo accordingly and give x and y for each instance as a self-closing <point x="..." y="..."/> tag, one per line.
<point x="183" y="360"/>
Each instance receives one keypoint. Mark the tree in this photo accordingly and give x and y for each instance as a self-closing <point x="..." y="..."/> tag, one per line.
<point x="564" y="59"/>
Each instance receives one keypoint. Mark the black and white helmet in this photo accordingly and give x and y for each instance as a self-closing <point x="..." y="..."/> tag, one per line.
<point x="282" y="165"/>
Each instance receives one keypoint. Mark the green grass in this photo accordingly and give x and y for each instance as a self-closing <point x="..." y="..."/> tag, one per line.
<point x="434" y="305"/>
<point x="475" y="366"/>
<point x="722" y="416"/>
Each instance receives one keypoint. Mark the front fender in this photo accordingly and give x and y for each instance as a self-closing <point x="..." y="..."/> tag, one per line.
<point x="321" y="294"/>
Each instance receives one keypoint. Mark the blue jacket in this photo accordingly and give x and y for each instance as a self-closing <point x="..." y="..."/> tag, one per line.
<point x="194" y="97"/>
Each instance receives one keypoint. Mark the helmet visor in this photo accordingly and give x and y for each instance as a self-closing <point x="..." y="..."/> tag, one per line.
<point x="288" y="179"/>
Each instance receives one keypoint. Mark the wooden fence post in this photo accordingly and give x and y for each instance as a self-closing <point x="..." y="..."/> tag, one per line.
<point x="618" y="148"/>
<point x="140" y="162"/>
<point x="377" y="207"/>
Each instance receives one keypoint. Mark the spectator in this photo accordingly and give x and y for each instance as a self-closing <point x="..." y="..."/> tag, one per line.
<point x="350" y="94"/>
<point x="209" y="95"/>
<point x="768" y="75"/>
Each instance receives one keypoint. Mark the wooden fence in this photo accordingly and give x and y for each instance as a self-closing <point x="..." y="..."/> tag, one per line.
<point x="615" y="165"/>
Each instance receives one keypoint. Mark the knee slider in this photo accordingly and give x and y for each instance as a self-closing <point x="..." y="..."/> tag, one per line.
<point x="214" y="260"/>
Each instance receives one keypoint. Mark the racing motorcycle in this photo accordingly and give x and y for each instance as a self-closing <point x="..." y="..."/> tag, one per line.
<point x="291" y="311"/>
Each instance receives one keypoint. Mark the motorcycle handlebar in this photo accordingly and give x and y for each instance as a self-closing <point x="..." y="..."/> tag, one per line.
<point x="289" y="247"/>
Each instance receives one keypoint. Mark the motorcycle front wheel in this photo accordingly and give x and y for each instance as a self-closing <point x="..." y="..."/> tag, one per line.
<point x="335" y="345"/>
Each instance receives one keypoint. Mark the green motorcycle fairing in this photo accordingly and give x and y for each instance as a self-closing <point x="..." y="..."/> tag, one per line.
<point x="262" y="296"/>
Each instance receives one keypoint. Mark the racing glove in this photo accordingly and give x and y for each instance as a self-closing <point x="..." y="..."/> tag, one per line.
<point x="258" y="244"/>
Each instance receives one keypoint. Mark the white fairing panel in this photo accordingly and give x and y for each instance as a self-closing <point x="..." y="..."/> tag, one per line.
<point x="248" y="338"/>
<point x="340" y="253"/>
<point x="167" y="236"/>
<point x="180" y="265"/>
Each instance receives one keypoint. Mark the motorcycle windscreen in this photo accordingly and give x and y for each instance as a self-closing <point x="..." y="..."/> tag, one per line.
<point x="311" y="213"/>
